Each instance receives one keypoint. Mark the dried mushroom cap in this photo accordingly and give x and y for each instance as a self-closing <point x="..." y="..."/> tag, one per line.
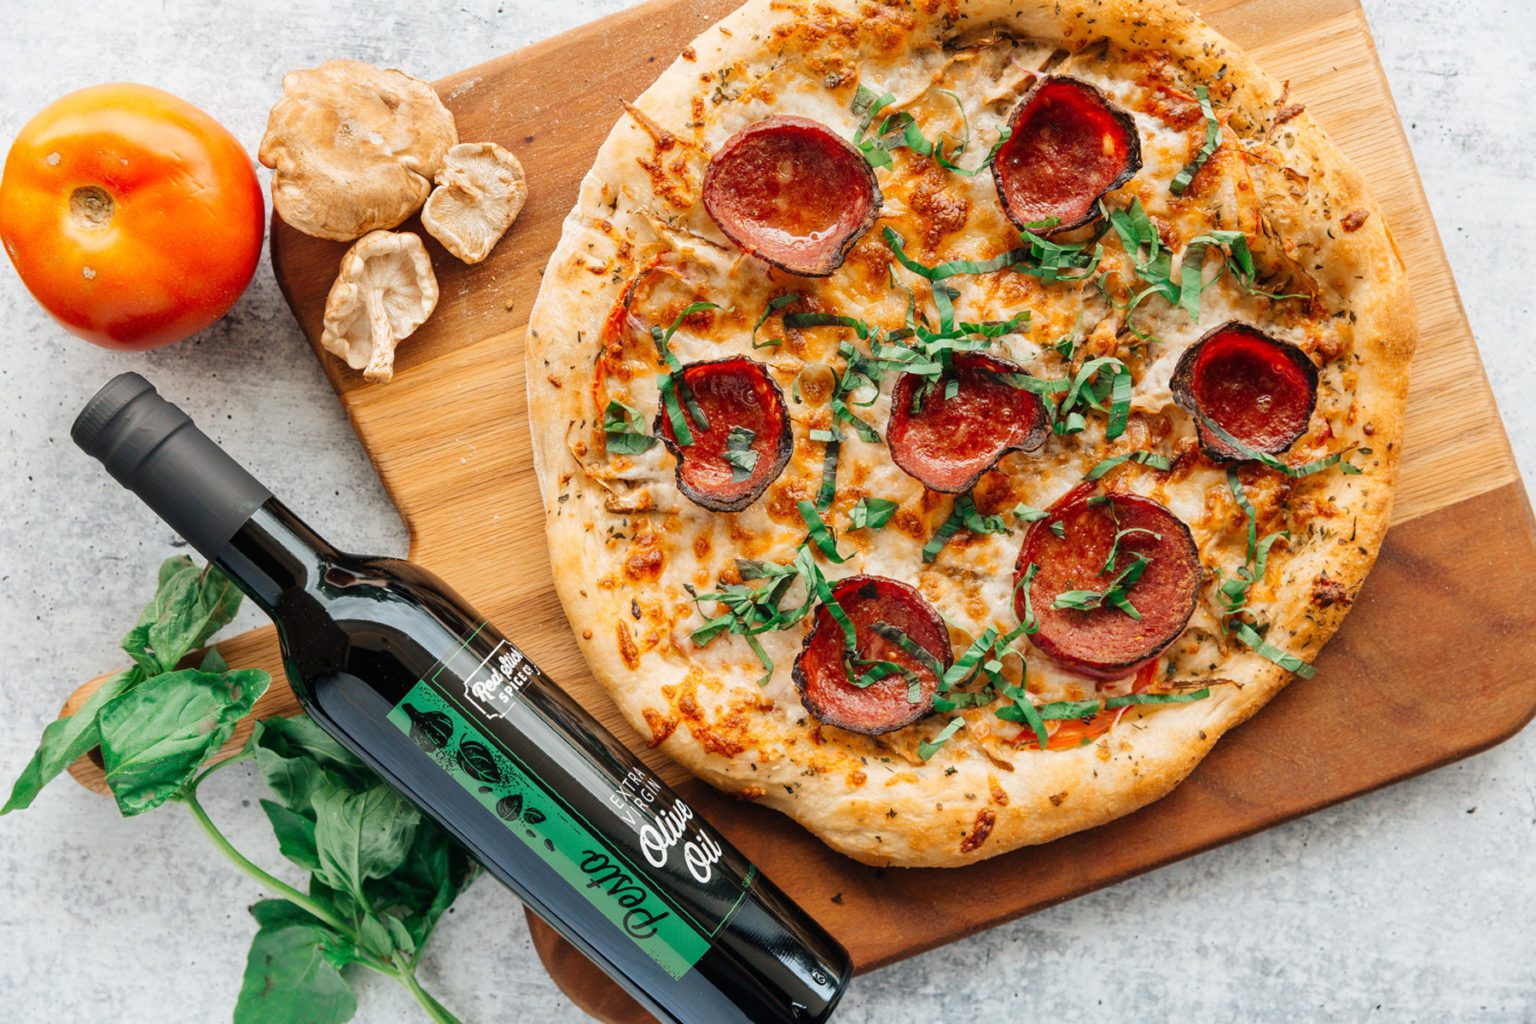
<point x="385" y="291"/>
<point x="355" y="148"/>
<point x="480" y="191"/>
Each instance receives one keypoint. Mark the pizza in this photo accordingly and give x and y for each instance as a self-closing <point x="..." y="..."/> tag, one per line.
<point x="952" y="416"/>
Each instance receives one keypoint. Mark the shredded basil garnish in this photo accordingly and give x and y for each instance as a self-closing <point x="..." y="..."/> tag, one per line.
<point x="927" y="750"/>
<point x="672" y="384"/>
<point x="1181" y="181"/>
<point x="774" y="305"/>
<point x="1149" y="459"/>
<point x="622" y="431"/>
<point x="1114" y="594"/>
<point x="740" y="453"/>
<point x="1265" y="459"/>
<point x="819" y="533"/>
<point x="828" y="490"/>
<point x="963" y="513"/>
<point x="1290" y="662"/>
<point x="1234" y="592"/>
<point x="871" y="513"/>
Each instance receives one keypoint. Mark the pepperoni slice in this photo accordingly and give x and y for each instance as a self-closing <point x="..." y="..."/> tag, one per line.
<point x="732" y="393"/>
<point x="1069" y="146"/>
<point x="1107" y="642"/>
<point x="822" y="675"/>
<point x="1258" y="389"/>
<point x="793" y="192"/>
<point x="950" y="441"/>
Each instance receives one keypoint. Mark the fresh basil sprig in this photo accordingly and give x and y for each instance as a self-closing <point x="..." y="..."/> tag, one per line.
<point x="381" y="876"/>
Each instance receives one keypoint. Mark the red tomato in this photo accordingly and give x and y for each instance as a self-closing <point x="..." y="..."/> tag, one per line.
<point x="132" y="216"/>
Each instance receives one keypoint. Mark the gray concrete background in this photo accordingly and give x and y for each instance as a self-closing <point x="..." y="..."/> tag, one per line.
<point x="1415" y="903"/>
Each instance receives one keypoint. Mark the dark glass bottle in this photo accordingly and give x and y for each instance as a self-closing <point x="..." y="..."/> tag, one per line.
<point x="386" y="658"/>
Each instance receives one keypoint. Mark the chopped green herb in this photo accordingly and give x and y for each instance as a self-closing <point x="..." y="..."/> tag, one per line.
<point x="1265" y="459"/>
<point x="1114" y="594"/>
<point x="871" y="513"/>
<point x="672" y="385"/>
<point x="1149" y="459"/>
<point x="1181" y="181"/>
<point x="620" y="428"/>
<point x="927" y="750"/>
<point x="774" y="305"/>
<point x="963" y="513"/>
<point x="828" y="490"/>
<point x="1233" y="592"/>
<point x="1249" y="636"/>
<point x="820" y="535"/>
<point x="740" y="453"/>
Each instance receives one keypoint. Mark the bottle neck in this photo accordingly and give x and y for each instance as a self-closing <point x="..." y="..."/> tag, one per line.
<point x="274" y="556"/>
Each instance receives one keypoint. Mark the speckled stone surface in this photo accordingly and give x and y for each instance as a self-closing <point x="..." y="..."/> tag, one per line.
<point x="1415" y="903"/>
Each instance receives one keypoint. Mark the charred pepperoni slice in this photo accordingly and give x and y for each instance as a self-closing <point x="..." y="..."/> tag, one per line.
<point x="724" y="469"/>
<point x="1107" y="642"/>
<point x="949" y="441"/>
<point x="793" y="192"/>
<point x="1258" y="389"/>
<point x="1069" y="146"/>
<point x="879" y="608"/>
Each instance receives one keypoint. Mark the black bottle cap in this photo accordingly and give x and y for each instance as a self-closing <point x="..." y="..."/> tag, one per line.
<point x="155" y="450"/>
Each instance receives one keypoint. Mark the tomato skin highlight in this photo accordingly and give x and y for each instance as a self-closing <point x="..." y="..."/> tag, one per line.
<point x="132" y="217"/>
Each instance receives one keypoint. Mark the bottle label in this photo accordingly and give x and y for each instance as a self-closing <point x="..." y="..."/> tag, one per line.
<point x="649" y="866"/>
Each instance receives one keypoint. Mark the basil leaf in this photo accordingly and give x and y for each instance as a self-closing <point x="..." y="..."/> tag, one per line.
<point x="156" y="737"/>
<point x="434" y="873"/>
<point x="820" y="535"/>
<point x="1150" y="459"/>
<point x="296" y="757"/>
<point x="1023" y="710"/>
<point x="1250" y="637"/>
<point x="739" y="452"/>
<point x="1265" y="459"/>
<point x="928" y="749"/>
<point x="295" y="835"/>
<point x="359" y="836"/>
<point x="1028" y="513"/>
<point x="66" y="739"/>
<point x="293" y="973"/>
<point x="802" y="320"/>
<point x="621" y="430"/>
<point x="189" y="606"/>
<point x="1132" y="699"/>
<point x="774" y="305"/>
<point x="672" y="385"/>
<point x="871" y="513"/>
<point x="828" y="490"/>
<point x="1186" y="175"/>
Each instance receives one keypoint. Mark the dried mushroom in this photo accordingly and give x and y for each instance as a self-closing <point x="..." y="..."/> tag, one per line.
<point x="480" y="191"/>
<point x="385" y="291"/>
<point x="355" y="148"/>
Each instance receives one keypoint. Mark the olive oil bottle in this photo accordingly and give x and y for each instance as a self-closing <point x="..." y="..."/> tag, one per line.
<point x="388" y="659"/>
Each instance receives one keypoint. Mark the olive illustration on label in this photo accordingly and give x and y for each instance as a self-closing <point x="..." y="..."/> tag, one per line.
<point x="508" y="808"/>
<point x="533" y="815"/>
<point x="478" y="762"/>
<point x="430" y="730"/>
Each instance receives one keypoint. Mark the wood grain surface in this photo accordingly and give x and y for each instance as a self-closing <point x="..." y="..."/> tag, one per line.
<point x="450" y="440"/>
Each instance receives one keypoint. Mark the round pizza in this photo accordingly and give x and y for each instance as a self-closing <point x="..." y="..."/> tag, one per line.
<point x="954" y="415"/>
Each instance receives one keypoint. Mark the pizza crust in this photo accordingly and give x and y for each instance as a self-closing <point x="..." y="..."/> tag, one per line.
<point x="704" y="708"/>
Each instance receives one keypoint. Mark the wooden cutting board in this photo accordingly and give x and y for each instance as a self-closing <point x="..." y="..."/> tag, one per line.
<point x="450" y="439"/>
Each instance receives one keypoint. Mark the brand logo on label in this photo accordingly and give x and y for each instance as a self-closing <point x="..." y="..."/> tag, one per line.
<point x="657" y="839"/>
<point x="494" y="684"/>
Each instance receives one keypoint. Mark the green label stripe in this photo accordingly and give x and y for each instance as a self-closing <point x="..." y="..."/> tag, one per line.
<point x="623" y="896"/>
